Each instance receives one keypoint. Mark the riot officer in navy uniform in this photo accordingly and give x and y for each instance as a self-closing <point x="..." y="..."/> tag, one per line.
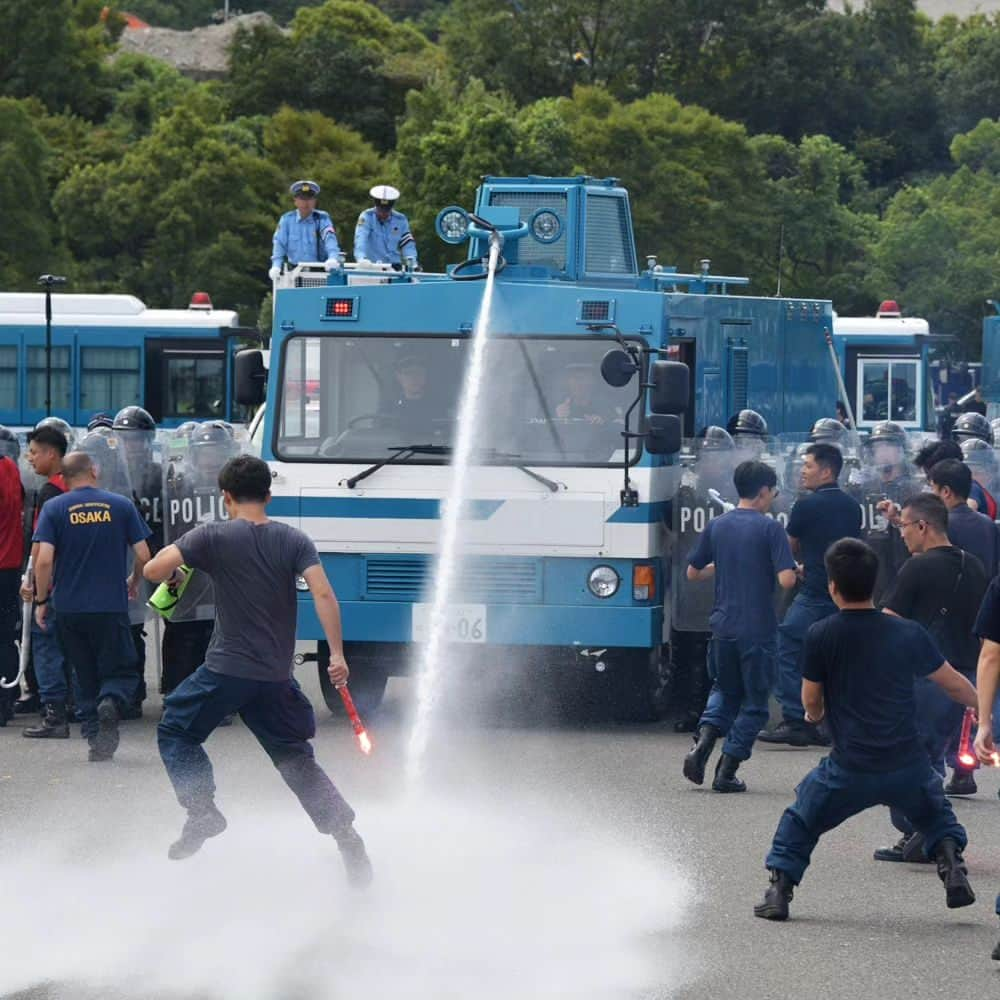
<point x="135" y="434"/>
<point x="192" y="497"/>
<point x="714" y="471"/>
<point x="382" y="234"/>
<point x="972" y="425"/>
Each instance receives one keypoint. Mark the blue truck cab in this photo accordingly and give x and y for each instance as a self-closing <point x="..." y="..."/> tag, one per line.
<point x="568" y="539"/>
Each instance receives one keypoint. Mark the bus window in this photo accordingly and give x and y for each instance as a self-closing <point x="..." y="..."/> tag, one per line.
<point x="109" y="376"/>
<point x="60" y="378"/>
<point x="194" y="383"/>
<point x="8" y="378"/>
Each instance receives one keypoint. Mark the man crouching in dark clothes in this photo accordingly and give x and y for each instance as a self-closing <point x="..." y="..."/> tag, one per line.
<point x="253" y="563"/>
<point x="860" y="666"/>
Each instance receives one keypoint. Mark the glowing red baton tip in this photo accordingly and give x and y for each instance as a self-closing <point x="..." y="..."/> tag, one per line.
<point x="995" y="758"/>
<point x="965" y="755"/>
<point x="364" y="740"/>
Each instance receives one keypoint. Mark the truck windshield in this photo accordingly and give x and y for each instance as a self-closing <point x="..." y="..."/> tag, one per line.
<point x="354" y="399"/>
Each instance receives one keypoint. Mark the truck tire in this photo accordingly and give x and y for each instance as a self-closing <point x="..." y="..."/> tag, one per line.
<point x="640" y="684"/>
<point x="367" y="682"/>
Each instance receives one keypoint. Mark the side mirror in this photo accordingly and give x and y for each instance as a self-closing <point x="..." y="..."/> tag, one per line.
<point x="617" y="368"/>
<point x="663" y="434"/>
<point x="671" y="387"/>
<point x="249" y="377"/>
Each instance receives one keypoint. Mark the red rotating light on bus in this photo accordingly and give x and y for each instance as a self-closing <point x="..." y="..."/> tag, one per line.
<point x="200" y="300"/>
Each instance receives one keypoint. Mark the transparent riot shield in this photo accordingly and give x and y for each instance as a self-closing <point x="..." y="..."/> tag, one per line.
<point x="191" y="497"/>
<point x="984" y="463"/>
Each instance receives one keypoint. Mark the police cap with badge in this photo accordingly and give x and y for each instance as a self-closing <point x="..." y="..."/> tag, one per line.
<point x="384" y="196"/>
<point x="304" y="189"/>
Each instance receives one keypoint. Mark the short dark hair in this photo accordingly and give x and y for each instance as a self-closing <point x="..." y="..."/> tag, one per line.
<point x="51" y="436"/>
<point x="246" y="478"/>
<point x="929" y="508"/>
<point x="936" y="451"/>
<point x="853" y="566"/>
<point x="751" y="477"/>
<point x="828" y="456"/>
<point x="957" y="476"/>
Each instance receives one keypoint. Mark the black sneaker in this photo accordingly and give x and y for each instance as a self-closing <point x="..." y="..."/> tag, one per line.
<point x="356" y="861"/>
<point x="198" y="827"/>
<point x="962" y="782"/>
<point x="893" y="853"/>
<point x="792" y="734"/>
<point x="909" y="848"/>
<point x="105" y="743"/>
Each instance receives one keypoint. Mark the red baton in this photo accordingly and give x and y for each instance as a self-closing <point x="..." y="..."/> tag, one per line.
<point x="965" y="755"/>
<point x="364" y="741"/>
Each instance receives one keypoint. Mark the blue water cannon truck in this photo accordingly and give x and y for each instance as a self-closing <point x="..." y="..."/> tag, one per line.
<point x="598" y="365"/>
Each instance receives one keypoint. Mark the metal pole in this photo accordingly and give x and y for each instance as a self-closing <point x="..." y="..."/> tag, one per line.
<point x="48" y="280"/>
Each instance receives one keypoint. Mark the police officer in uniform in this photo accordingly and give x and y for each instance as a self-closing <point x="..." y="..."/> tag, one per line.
<point x="135" y="431"/>
<point x="748" y="430"/>
<point x="980" y="457"/>
<point x="193" y="497"/>
<point x="972" y="425"/>
<point x="382" y="234"/>
<point x="305" y="233"/>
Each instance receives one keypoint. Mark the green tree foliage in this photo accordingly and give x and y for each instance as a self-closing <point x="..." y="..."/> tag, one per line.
<point x="189" y="204"/>
<point x="25" y="236"/>
<point x="967" y="62"/>
<point x="937" y="245"/>
<point x="345" y="59"/>
<point x="55" y="51"/>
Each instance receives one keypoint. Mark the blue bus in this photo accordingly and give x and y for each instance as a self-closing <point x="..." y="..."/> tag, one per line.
<point x="110" y="351"/>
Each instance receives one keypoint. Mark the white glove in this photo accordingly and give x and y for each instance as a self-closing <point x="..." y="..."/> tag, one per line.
<point x="332" y="264"/>
<point x="274" y="273"/>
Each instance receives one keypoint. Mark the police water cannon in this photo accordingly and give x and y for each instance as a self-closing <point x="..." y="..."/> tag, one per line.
<point x="500" y="231"/>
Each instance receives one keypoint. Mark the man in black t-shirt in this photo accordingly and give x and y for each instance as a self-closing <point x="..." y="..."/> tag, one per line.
<point x="941" y="587"/>
<point x="987" y="682"/>
<point x="858" y="667"/>
<point x="951" y="480"/>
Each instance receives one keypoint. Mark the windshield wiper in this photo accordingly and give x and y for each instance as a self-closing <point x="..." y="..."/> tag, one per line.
<point x="400" y="453"/>
<point x="551" y="484"/>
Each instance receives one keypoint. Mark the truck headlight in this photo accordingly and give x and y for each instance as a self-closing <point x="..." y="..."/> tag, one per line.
<point x="603" y="581"/>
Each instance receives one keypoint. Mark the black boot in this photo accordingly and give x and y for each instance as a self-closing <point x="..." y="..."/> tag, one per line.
<point x="953" y="873"/>
<point x="105" y="743"/>
<point x="198" y="827"/>
<point x="697" y="757"/>
<point x="778" y="896"/>
<point x="27" y="705"/>
<point x="792" y="734"/>
<point x="356" y="861"/>
<point x="963" y="782"/>
<point x="725" y="775"/>
<point x="996" y="953"/>
<point x="53" y="725"/>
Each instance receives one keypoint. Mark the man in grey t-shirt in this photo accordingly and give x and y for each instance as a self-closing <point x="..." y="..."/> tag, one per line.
<point x="253" y="563"/>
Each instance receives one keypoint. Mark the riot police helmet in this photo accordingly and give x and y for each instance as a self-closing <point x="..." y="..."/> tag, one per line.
<point x="100" y="420"/>
<point x="60" y="425"/>
<point x="888" y="432"/>
<point x="133" y="418"/>
<point x="827" y="430"/>
<point x="976" y="451"/>
<point x="716" y="438"/>
<point x="9" y="445"/>
<point x="972" y="425"/>
<point x="747" y="423"/>
<point x="211" y="446"/>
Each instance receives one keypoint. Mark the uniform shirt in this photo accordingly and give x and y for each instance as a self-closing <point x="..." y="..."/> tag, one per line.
<point x="819" y="519"/>
<point x="92" y="531"/>
<point x="988" y="620"/>
<point x="297" y="239"/>
<point x="749" y="550"/>
<point x="379" y="241"/>
<point x="928" y="585"/>
<point x="867" y="663"/>
<point x="977" y="534"/>
<point x="253" y="568"/>
<point x="11" y="515"/>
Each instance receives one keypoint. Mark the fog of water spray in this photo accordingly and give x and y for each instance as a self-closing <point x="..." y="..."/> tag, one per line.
<point x="429" y="676"/>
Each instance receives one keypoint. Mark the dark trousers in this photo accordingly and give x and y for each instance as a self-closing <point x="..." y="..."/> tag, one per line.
<point x="276" y="712"/>
<point x="830" y="794"/>
<point x="100" y="651"/>
<point x="139" y="641"/>
<point x="10" y="601"/>
<point x="742" y="673"/>
<point x="804" y="611"/>
<point x="50" y="661"/>
<point x="937" y="719"/>
<point x="185" y="644"/>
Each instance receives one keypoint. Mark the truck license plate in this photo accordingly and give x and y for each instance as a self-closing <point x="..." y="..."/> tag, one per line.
<point x="463" y="623"/>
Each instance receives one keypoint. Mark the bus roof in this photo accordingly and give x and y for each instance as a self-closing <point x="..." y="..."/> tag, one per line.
<point x="876" y="326"/>
<point x="28" y="308"/>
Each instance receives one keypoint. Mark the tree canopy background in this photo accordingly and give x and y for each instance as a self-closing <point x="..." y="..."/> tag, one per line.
<point x="862" y="147"/>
